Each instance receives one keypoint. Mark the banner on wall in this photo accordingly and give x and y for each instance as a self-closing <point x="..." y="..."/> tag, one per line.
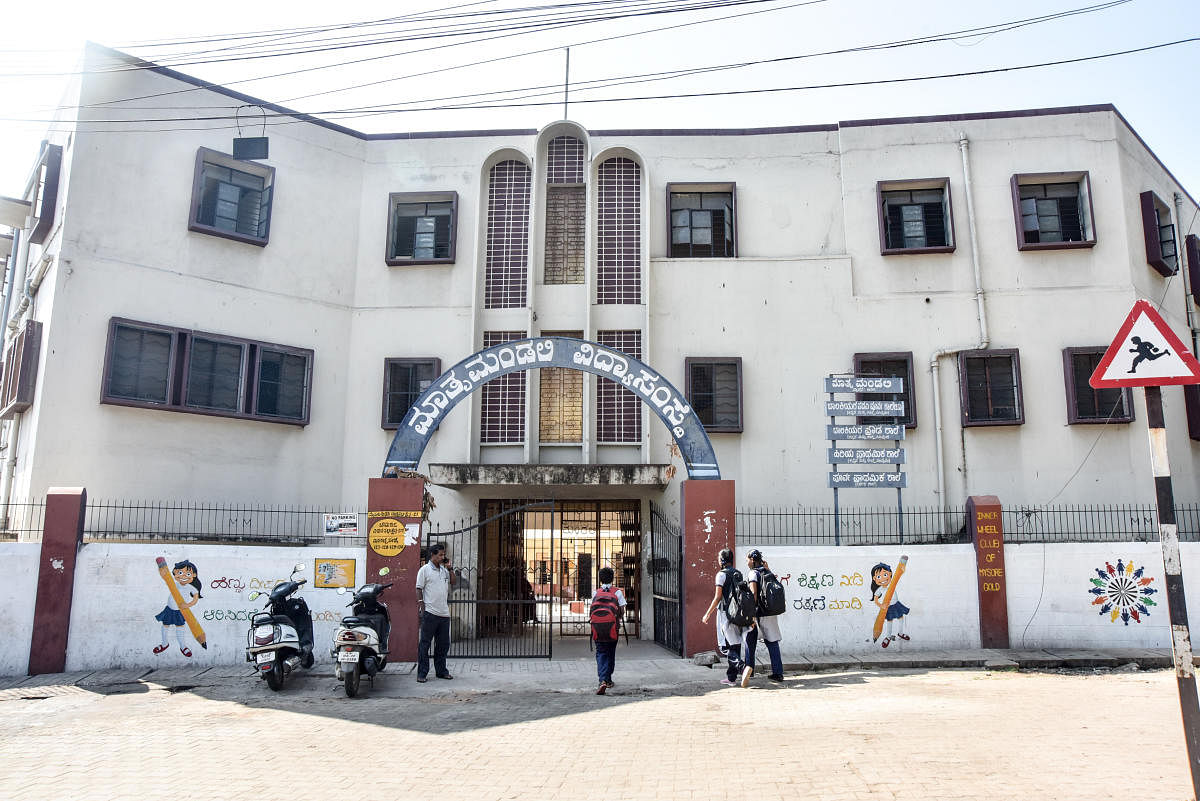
<point x="341" y="524"/>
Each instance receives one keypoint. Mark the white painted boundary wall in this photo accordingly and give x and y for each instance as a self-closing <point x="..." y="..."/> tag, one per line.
<point x="17" y="595"/>
<point x="1049" y="603"/>
<point x="118" y="591"/>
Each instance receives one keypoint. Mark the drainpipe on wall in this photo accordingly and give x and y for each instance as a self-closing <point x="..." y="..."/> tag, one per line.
<point x="1180" y="257"/>
<point x="981" y="313"/>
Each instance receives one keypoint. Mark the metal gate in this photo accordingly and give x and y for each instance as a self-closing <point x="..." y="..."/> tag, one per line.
<point x="525" y="572"/>
<point x="666" y="566"/>
<point x="494" y="608"/>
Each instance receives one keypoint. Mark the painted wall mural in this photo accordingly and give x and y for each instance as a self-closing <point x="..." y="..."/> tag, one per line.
<point x="183" y="585"/>
<point x="1123" y="592"/>
<point x="883" y="593"/>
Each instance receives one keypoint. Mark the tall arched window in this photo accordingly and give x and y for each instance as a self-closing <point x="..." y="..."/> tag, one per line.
<point x="507" y="254"/>
<point x="566" y="207"/>
<point x="619" y="232"/>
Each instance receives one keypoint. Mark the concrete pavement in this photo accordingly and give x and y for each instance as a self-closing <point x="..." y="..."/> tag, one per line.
<point x="879" y="727"/>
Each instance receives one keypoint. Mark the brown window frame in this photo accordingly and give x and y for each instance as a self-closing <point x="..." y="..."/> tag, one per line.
<point x="401" y="198"/>
<point x="1073" y="417"/>
<point x="910" y="185"/>
<point x="205" y="155"/>
<point x="177" y="374"/>
<point x="45" y="201"/>
<point x="692" y="361"/>
<point x="1087" y="224"/>
<point x="964" y="398"/>
<point x="1150" y="204"/>
<point x="705" y="187"/>
<point x="387" y="375"/>
<point x="908" y="395"/>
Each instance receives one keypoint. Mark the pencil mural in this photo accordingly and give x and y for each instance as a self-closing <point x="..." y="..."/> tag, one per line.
<point x="183" y="585"/>
<point x="1122" y="592"/>
<point x="883" y="595"/>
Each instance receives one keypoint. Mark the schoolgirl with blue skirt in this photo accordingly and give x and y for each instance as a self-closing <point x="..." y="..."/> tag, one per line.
<point x="881" y="577"/>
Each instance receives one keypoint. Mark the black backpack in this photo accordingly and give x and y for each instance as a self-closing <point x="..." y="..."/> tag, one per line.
<point x="605" y="616"/>
<point x="739" y="598"/>
<point x="771" y="600"/>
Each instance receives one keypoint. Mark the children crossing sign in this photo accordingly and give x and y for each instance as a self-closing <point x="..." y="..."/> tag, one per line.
<point x="1145" y="353"/>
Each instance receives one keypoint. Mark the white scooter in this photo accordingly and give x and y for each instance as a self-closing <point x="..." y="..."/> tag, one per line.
<point x="360" y="642"/>
<point x="280" y="639"/>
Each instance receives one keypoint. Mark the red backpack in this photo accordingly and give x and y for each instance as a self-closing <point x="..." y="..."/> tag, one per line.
<point x="605" y="615"/>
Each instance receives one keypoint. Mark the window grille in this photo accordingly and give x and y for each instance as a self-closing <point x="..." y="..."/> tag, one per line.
<point x="215" y="374"/>
<point x="560" y="400"/>
<point x="714" y="390"/>
<point x="702" y="224"/>
<point x="991" y="382"/>
<point x="899" y="365"/>
<point x="1051" y="213"/>
<point x="618" y="411"/>
<point x="502" y="400"/>
<point x="619" y="232"/>
<point x="507" y="236"/>
<point x="916" y="219"/>
<point x="566" y="207"/>
<point x="422" y="231"/>
<point x="564" y="160"/>
<point x="404" y="381"/>
<point x="1086" y="404"/>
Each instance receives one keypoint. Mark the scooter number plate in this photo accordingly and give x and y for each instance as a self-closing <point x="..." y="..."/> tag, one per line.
<point x="265" y="656"/>
<point x="347" y="656"/>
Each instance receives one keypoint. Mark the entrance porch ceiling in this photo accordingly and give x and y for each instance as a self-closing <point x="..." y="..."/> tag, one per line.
<point x="542" y="475"/>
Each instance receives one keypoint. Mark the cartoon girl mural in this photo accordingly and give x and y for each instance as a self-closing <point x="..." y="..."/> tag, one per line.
<point x="184" y="584"/>
<point x="883" y="594"/>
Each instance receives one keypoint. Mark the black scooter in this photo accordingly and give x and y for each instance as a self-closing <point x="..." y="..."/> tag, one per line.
<point x="280" y="639"/>
<point x="360" y="642"/>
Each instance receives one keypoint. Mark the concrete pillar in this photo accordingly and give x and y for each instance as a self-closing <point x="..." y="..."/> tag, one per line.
<point x="987" y="531"/>
<point x="62" y="534"/>
<point x="394" y="519"/>
<point x="707" y="523"/>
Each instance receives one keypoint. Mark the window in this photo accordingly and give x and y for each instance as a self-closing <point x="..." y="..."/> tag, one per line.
<point x="502" y="400"/>
<point x="619" y="231"/>
<point x="1088" y="405"/>
<point x="232" y="198"/>
<point x="157" y="366"/>
<point x="560" y="400"/>
<point x="421" y="228"/>
<point x="889" y="364"/>
<point x="618" y="411"/>
<point x="507" y="253"/>
<point x="1159" y="234"/>
<point x="915" y="217"/>
<point x="702" y="220"/>
<point x="20" y="370"/>
<point x="990" y="382"/>
<point x="566" y="211"/>
<point x="1053" y="210"/>
<point x="403" y="382"/>
<point x="45" y="199"/>
<point x="714" y="390"/>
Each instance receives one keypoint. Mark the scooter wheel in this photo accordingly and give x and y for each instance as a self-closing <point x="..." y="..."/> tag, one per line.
<point x="274" y="676"/>
<point x="352" y="677"/>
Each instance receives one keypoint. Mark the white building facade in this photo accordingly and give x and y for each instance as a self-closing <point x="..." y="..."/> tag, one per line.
<point x="253" y="330"/>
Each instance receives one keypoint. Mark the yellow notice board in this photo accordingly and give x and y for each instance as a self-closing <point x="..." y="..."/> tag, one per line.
<point x="333" y="573"/>
<point x="387" y="537"/>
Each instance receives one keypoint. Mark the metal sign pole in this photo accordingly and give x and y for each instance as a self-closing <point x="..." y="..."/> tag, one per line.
<point x="1168" y="534"/>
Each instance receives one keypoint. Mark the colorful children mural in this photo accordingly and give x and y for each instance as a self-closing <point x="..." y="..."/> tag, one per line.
<point x="1122" y="592"/>
<point x="883" y="594"/>
<point x="183" y="584"/>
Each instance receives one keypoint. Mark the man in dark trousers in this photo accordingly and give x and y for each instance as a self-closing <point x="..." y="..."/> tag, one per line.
<point x="433" y="593"/>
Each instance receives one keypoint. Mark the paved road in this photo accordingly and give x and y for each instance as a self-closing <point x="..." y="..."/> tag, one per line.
<point x="535" y="730"/>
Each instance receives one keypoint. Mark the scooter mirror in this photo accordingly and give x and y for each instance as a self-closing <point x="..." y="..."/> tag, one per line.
<point x="299" y="568"/>
<point x="254" y="595"/>
<point x="383" y="571"/>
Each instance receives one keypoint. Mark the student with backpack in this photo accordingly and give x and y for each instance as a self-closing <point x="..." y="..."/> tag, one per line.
<point x="729" y="601"/>
<point x="608" y="607"/>
<point x="769" y="604"/>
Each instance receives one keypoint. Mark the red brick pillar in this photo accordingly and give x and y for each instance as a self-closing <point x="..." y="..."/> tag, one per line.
<point x="62" y="534"/>
<point x="987" y="530"/>
<point x="707" y="524"/>
<point x="394" y="515"/>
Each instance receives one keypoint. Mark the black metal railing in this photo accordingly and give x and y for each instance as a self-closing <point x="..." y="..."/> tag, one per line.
<point x="23" y="519"/>
<point x="167" y="521"/>
<point x="820" y="526"/>
<point x="666" y="562"/>
<point x="1132" y="522"/>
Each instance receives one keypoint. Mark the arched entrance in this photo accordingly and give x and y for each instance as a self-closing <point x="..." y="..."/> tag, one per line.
<point x="667" y="402"/>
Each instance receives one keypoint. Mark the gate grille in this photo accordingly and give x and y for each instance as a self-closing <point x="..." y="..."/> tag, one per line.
<point x="666" y="564"/>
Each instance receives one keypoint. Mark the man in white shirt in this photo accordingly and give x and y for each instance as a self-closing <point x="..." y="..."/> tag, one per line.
<point x="433" y="593"/>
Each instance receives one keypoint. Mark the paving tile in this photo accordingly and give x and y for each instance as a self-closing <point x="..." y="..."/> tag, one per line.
<point x="1079" y="658"/>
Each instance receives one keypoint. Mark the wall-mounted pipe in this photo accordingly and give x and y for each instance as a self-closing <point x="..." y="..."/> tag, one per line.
<point x="980" y="312"/>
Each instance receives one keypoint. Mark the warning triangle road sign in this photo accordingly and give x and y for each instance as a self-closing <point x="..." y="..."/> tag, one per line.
<point x="1145" y="353"/>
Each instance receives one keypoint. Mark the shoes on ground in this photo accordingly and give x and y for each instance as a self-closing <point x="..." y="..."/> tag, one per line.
<point x="422" y="679"/>
<point x="729" y="682"/>
<point x="445" y="676"/>
<point x="600" y="690"/>
<point x="776" y="677"/>
<point x="747" y="672"/>
<point x="609" y="683"/>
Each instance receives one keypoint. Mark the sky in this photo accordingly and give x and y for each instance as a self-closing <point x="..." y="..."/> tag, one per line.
<point x="41" y="44"/>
